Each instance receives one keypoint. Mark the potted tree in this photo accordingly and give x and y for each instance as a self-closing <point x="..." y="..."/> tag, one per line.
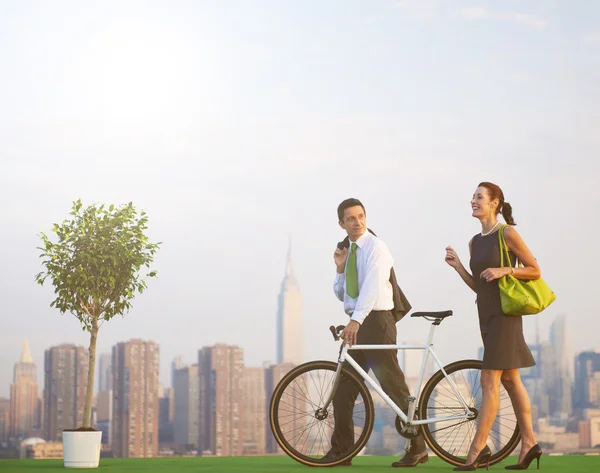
<point x="95" y="269"/>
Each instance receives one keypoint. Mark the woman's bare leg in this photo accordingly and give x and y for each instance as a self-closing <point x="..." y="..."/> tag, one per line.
<point x="522" y="405"/>
<point x="490" y="402"/>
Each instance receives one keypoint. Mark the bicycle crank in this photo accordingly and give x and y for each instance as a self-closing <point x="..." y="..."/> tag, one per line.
<point x="406" y="431"/>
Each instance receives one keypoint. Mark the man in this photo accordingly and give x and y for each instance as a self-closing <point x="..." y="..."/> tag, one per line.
<point x="363" y="283"/>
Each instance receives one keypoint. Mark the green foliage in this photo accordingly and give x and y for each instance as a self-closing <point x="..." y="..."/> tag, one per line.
<point x="95" y="269"/>
<point x="95" y="264"/>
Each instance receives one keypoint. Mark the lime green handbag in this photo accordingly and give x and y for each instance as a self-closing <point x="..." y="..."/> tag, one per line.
<point x="519" y="297"/>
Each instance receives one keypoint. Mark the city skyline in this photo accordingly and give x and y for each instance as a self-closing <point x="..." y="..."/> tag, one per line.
<point x="237" y="422"/>
<point x="234" y="128"/>
<point x="410" y="361"/>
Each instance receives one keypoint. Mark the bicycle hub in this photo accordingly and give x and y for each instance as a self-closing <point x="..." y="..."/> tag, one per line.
<point x="321" y="414"/>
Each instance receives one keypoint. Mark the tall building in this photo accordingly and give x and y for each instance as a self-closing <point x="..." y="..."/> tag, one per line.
<point x="135" y="399"/>
<point x="104" y="397"/>
<point x="166" y="409"/>
<point x="273" y="374"/>
<point x="4" y="416"/>
<point x="220" y="370"/>
<point x="176" y="364"/>
<point x="254" y="412"/>
<point x="65" y="379"/>
<point x="586" y="393"/>
<point x="104" y="415"/>
<point x="187" y="400"/>
<point x="23" y="396"/>
<point x="290" y="322"/>
<point x="561" y="393"/>
<point x="547" y="398"/>
<point x="40" y="414"/>
<point x="104" y="372"/>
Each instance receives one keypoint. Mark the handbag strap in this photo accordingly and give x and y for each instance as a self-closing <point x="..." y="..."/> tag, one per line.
<point x="504" y="248"/>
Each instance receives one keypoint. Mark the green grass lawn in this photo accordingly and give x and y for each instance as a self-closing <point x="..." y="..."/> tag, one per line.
<point x="566" y="464"/>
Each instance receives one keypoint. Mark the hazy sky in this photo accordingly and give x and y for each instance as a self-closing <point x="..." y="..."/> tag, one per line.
<point x="237" y="124"/>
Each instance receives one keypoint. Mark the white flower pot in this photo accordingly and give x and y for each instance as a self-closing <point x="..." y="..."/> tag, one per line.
<point x="82" y="449"/>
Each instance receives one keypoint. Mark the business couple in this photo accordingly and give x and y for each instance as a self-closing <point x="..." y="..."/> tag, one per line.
<point x="363" y="283"/>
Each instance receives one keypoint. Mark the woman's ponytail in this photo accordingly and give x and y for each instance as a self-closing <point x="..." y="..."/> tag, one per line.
<point x="507" y="214"/>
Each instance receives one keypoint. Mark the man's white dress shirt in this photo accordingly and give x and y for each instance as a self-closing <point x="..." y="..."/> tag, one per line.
<point x="373" y="263"/>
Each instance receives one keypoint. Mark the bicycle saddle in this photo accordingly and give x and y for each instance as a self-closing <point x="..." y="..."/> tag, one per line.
<point x="434" y="315"/>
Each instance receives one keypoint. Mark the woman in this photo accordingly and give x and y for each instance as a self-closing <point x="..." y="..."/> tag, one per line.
<point x="505" y="350"/>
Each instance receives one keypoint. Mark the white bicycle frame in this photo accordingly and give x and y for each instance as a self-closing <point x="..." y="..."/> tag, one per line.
<point x="407" y="419"/>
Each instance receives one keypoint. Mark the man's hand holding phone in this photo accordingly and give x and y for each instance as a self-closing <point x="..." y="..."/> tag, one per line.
<point x="339" y="257"/>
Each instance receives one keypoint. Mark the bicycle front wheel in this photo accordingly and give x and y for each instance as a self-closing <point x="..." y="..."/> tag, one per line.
<point x="451" y="439"/>
<point x="301" y="426"/>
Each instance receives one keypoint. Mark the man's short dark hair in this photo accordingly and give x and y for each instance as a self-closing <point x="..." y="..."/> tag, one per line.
<point x="346" y="204"/>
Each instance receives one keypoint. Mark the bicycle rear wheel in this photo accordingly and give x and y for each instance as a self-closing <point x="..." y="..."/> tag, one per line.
<point x="450" y="439"/>
<point x="300" y="426"/>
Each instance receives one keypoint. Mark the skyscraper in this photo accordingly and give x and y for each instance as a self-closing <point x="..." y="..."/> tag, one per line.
<point x="176" y="364"/>
<point x="546" y="400"/>
<point x="104" y="372"/>
<point x="23" y="396"/>
<point x="187" y="400"/>
<point x="166" y="409"/>
<point x="290" y="322"/>
<point x="135" y="399"/>
<point x="254" y="413"/>
<point x="560" y="338"/>
<point x="4" y="416"/>
<point x="587" y="380"/>
<point x="65" y="379"/>
<point x="220" y="370"/>
<point x="273" y="374"/>
<point x="104" y="415"/>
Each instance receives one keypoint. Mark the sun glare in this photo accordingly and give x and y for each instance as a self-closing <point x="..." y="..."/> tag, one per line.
<point x="138" y="72"/>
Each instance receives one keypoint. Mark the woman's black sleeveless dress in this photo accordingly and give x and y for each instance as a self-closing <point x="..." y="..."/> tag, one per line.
<point x="503" y="341"/>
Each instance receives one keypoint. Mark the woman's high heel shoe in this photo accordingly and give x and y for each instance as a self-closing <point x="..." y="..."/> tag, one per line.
<point x="483" y="457"/>
<point x="534" y="452"/>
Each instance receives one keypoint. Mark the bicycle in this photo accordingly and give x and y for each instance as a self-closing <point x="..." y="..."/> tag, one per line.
<point x="447" y="420"/>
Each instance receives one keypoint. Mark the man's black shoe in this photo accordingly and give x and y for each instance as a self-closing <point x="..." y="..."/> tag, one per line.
<point x="411" y="459"/>
<point x="332" y="456"/>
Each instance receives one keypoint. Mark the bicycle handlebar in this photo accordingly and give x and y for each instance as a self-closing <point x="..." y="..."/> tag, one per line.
<point x="336" y="331"/>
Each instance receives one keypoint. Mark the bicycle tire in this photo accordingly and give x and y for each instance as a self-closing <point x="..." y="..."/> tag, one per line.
<point x="450" y="457"/>
<point x="285" y="443"/>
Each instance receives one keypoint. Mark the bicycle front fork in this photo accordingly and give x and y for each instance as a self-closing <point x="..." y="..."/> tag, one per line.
<point x="336" y="383"/>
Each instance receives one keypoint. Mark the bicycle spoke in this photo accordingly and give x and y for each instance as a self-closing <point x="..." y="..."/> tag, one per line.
<point x="300" y="423"/>
<point x="453" y="437"/>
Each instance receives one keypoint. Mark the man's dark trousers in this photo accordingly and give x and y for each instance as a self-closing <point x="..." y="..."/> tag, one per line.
<point x="378" y="328"/>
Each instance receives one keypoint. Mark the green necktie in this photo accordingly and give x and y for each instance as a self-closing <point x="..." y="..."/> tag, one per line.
<point x="352" y="274"/>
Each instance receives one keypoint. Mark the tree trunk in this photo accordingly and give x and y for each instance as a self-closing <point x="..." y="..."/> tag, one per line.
<point x="89" y="391"/>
